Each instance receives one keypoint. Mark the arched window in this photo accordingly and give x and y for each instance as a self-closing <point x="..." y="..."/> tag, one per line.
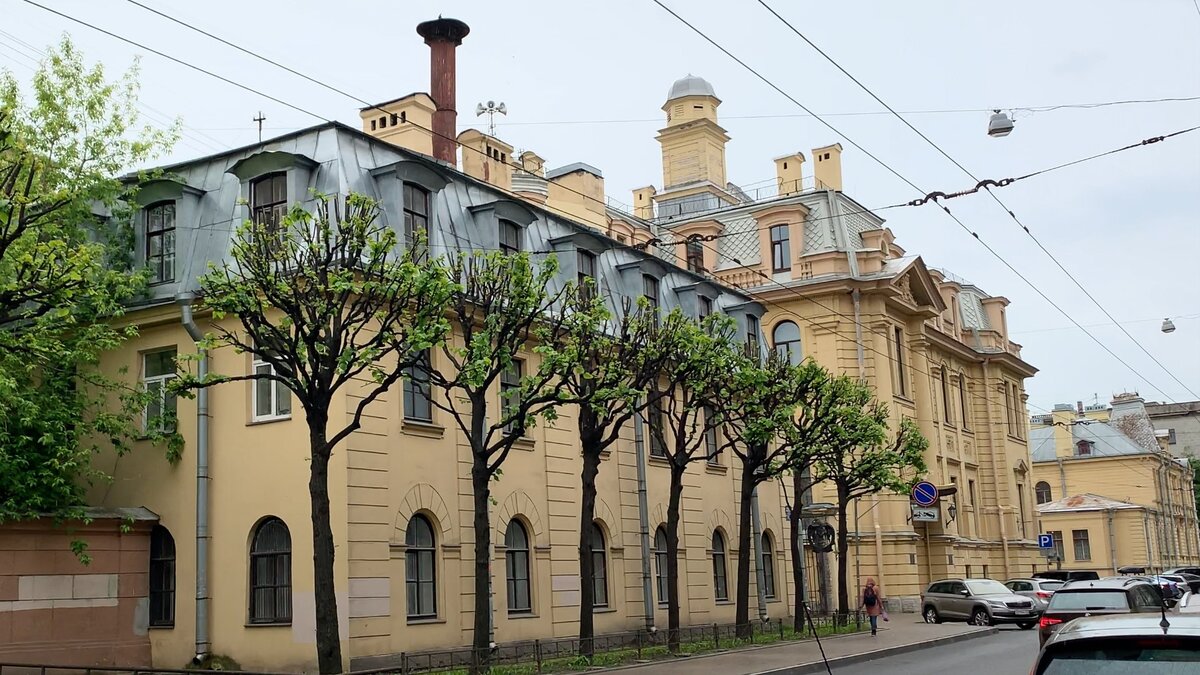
<point x="720" y="582"/>
<point x="1041" y="492"/>
<point x="768" y="565"/>
<point x="420" y="568"/>
<point x="660" y="563"/>
<point x="786" y="339"/>
<point x="271" y="573"/>
<point x="962" y="402"/>
<point x="516" y="559"/>
<point x="947" y="411"/>
<point x="1084" y="448"/>
<point x="162" y="577"/>
<point x="599" y="568"/>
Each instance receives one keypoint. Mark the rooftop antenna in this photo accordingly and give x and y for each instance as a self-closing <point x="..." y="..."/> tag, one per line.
<point x="491" y="109"/>
<point x="260" y="119"/>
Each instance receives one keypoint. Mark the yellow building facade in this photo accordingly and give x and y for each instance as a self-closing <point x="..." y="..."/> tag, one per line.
<point x="1108" y="487"/>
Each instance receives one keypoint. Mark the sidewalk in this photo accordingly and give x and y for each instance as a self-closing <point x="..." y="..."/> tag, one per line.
<point x="902" y="634"/>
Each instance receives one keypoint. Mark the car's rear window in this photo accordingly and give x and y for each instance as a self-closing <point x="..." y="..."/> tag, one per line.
<point x="1051" y="585"/>
<point x="1069" y="600"/>
<point x="1124" y="656"/>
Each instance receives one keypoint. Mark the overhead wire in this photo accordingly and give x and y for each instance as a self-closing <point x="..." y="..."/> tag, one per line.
<point x="903" y="178"/>
<point x="992" y="194"/>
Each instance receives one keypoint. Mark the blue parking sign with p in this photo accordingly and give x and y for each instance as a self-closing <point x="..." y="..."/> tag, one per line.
<point x="1045" y="541"/>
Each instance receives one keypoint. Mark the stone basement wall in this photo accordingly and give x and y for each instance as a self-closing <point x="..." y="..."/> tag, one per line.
<point x="56" y="611"/>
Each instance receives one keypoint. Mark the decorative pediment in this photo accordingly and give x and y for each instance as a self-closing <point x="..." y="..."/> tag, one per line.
<point x="269" y="161"/>
<point x="918" y="288"/>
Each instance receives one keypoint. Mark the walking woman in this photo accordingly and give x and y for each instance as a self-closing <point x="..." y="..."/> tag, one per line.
<point x="872" y="602"/>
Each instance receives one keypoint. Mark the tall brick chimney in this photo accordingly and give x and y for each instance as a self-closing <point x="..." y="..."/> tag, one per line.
<point x="443" y="36"/>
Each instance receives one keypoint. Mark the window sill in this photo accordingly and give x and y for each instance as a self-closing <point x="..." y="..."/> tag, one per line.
<point x="968" y="431"/>
<point x="426" y="621"/>
<point x="659" y="461"/>
<point x="903" y="398"/>
<point x="522" y="615"/>
<point x="523" y="443"/>
<point x="278" y="624"/>
<point x="720" y="469"/>
<point x="604" y="610"/>
<point x="162" y="626"/>
<point x="267" y="420"/>
<point x="724" y="603"/>
<point x="1018" y="439"/>
<point x="772" y="601"/>
<point x="421" y="428"/>
<point x="950" y="426"/>
<point x="164" y="282"/>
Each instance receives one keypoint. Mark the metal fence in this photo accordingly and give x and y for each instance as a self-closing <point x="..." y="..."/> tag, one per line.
<point x="555" y="654"/>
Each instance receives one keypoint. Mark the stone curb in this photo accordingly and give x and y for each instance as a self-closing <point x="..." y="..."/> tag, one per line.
<point x="819" y="666"/>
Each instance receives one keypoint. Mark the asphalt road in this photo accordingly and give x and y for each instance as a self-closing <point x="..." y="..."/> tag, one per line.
<point x="1009" y="652"/>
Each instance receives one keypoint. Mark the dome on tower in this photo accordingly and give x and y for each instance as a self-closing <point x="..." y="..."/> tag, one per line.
<point x="691" y="86"/>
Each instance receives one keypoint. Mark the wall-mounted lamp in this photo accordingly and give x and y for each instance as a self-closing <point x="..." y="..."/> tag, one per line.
<point x="953" y="513"/>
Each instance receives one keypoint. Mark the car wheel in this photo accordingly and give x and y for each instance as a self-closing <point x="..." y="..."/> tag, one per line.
<point x="979" y="617"/>
<point x="1026" y="625"/>
<point x="931" y="615"/>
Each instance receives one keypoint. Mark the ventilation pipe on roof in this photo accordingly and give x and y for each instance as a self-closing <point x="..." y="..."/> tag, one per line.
<point x="203" y="642"/>
<point x="443" y="37"/>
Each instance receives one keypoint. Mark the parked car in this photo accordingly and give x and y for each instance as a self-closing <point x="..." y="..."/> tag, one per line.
<point x="1169" y="589"/>
<point x="1114" y="595"/>
<point x="1038" y="590"/>
<point x="1183" y="570"/>
<point x="1189" y="604"/>
<point x="1135" y="644"/>
<point x="1068" y="575"/>
<point x="1187" y="582"/>
<point x="982" y="602"/>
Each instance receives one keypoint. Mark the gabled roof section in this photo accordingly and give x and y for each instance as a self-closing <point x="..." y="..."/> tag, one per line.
<point x="911" y="277"/>
<point x="1084" y="502"/>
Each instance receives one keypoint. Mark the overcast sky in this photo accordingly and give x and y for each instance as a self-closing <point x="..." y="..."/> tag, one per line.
<point x="585" y="81"/>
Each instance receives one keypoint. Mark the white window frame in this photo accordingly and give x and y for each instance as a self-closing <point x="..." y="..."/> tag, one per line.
<point x="162" y="381"/>
<point x="256" y="363"/>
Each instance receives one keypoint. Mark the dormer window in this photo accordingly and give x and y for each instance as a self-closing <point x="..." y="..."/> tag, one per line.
<point x="1084" y="448"/>
<point x="781" y="249"/>
<point x="650" y="291"/>
<point x="160" y="242"/>
<point x="510" y="237"/>
<point x="695" y="256"/>
<point x="416" y="220"/>
<point x="586" y="274"/>
<point x="706" y="307"/>
<point x="268" y="200"/>
<point x="752" y="335"/>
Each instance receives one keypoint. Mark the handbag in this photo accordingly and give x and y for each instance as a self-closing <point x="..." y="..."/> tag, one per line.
<point x="884" y="614"/>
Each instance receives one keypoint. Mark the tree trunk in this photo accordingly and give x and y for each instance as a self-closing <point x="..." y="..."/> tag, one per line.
<point x="587" y="514"/>
<point x="329" y="645"/>
<point x="481" y="639"/>
<point x="673" y="505"/>
<point x="796" y="542"/>
<point x="843" y="558"/>
<point x="745" y="496"/>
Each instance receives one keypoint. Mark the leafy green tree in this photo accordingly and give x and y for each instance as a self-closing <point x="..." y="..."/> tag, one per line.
<point x="608" y="365"/>
<point x="860" y="460"/>
<point x="759" y="410"/>
<point x="504" y="305"/>
<point x="330" y="301"/>
<point x="680" y="424"/>
<point x="64" y="276"/>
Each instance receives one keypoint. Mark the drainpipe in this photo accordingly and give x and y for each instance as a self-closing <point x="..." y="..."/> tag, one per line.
<point x="639" y="447"/>
<point x="1062" y="478"/>
<point x="1112" y="542"/>
<point x="987" y="405"/>
<point x="756" y="546"/>
<point x="1173" y="541"/>
<point x="856" y="296"/>
<point x="203" y="537"/>
<point x="1146" y="534"/>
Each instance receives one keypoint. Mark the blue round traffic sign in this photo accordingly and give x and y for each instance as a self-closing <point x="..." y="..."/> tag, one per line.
<point x="925" y="493"/>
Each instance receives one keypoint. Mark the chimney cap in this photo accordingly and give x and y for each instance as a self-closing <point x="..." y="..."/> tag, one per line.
<point x="448" y="30"/>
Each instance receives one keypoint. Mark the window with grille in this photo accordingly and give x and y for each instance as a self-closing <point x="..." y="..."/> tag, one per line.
<point x="1083" y="548"/>
<point x="516" y="559"/>
<point x="162" y="577"/>
<point x="787" y="342"/>
<point x="781" y="248"/>
<point x="158" y="369"/>
<point x="695" y="255"/>
<point x="271" y="573"/>
<point x="268" y="201"/>
<point x="272" y="399"/>
<point x="768" y="565"/>
<point x="510" y="238"/>
<point x="420" y="568"/>
<point x="510" y="391"/>
<point x="416" y="220"/>
<point x="720" y="582"/>
<point x="418" y="393"/>
<point x="660" y="563"/>
<point x="599" y="568"/>
<point x="160" y="242"/>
